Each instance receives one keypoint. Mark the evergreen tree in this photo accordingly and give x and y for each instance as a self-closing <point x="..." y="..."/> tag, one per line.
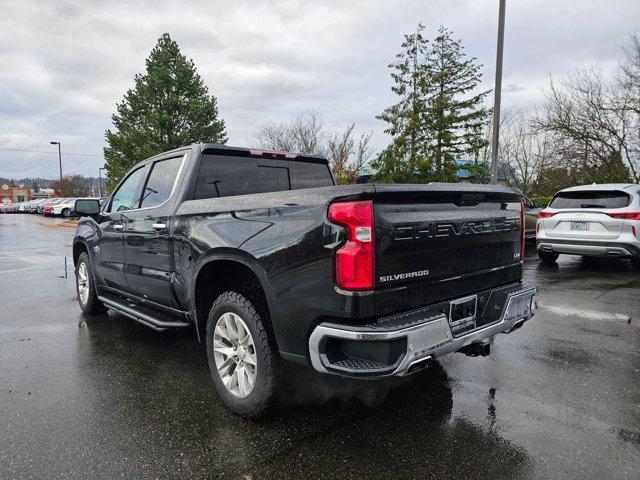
<point x="405" y="157"/>
<point x="169" y="107"/>
<point x="455" y="115"/>
<point x="439" y="118"/>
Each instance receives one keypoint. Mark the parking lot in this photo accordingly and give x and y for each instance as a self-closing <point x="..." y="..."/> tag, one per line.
<point x="105" y="397"/>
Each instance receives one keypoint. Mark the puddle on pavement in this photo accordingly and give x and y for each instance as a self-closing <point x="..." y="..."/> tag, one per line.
<point x="568" y="311"/>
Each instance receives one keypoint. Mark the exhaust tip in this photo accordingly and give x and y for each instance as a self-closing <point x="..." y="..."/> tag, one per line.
<point x="516" y="326"/>
<point x="419" y="365"/>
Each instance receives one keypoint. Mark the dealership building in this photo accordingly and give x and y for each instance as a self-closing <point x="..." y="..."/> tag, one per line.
<point x="15" y="194"/>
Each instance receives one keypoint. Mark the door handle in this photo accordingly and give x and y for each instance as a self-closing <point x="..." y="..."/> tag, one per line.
<point x="159" y="226"/>
<point x="118" y="226"/>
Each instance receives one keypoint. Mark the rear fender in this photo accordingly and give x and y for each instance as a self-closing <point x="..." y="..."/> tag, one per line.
<point x="246" y="260"/>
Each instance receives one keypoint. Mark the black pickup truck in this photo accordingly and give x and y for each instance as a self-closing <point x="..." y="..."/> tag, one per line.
<point x="267" y="259"/>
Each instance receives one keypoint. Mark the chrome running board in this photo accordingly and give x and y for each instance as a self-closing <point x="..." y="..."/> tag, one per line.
<point x="143" y="318"/>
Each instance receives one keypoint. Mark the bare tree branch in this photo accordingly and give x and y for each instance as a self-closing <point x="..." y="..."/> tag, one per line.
<point x="348" y="155"/>
<point x="586" y="109"/>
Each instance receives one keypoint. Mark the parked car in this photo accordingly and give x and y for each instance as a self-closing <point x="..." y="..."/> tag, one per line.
<point x="40" y="208"/>
<point x="33" y="207"/>
<point x="64" y="208"/>
<point x="593" y="221"/>
<point x="4" y="207"/>
<point x="266" y="259"/>
<point x="27" y="206"/>
<point x="47" y="207"/>
<point x="531" y="211"/>
<point x="14" y="207"/>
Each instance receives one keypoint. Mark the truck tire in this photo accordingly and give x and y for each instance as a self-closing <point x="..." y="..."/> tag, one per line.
<point x="86" y="287"/>
<point x="242" y="359"/>
<point x="66" y="213"/>
<point x="548" y="257"/>
<point x="635" y="263"/>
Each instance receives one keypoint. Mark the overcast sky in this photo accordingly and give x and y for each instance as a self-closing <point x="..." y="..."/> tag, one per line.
<point x="65" y="64"/>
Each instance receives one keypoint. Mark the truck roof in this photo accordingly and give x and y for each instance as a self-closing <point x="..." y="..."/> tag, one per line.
<point x="246" y="151"/>
<point x="259" y="151"/>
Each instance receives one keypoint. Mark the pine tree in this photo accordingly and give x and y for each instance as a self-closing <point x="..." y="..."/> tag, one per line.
<point x="439" y="118"/>
<point x="404" y="159"/>
<point x="455" y="114"/>
<point x="169" y="107"/>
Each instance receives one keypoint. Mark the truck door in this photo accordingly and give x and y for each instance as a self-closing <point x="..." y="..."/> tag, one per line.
<point x="108" y="248"/>
<point x="147" y="237"/>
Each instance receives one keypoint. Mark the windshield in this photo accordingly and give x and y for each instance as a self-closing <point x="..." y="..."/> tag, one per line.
<point x="590" y="199"/>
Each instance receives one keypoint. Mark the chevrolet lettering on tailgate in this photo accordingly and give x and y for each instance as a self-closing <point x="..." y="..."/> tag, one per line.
<point x="454" y="229"/>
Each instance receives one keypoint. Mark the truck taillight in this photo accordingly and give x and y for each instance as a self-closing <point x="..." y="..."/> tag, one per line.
<point x="355" y="260"/>
<point x="546" y="213"/>
<point x="522" y="231"/>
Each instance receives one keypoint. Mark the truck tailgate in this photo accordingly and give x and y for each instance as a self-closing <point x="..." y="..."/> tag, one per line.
<point x="435" y="243"/>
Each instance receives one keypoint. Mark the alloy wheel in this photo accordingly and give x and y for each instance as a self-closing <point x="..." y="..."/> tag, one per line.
<point x="235" y="354"/>
<point x="83" y="283"/>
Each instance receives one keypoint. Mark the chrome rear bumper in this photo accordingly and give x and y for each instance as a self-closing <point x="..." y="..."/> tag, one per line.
<point x="426" y="339"/>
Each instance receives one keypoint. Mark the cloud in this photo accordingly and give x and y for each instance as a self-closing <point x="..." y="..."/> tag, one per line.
<point x="65" y="64"/>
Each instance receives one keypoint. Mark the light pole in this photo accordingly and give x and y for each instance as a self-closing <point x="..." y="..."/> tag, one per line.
<point x="496" y="96"/>
<point x="100" y="176"/>
<point x="59" y="156"/>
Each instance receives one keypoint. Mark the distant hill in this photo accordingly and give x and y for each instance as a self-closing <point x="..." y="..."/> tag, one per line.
<point x="28" y="182"/>
<point x="42" y="182"/>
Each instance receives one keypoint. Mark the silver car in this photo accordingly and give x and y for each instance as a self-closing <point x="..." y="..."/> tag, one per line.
<point x="593" y="221"/>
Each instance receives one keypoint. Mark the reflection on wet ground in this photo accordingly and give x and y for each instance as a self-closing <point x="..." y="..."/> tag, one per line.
<point x="104" y="397"/>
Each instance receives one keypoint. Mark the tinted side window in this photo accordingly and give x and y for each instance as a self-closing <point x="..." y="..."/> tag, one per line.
<point x="160" y="183"/>
<point x="223" y="176"/>
<point x="590" y="199"/>
<point x="128" y="195"/>
<point x="226" y="176"/>
<point x="309" y="175"/>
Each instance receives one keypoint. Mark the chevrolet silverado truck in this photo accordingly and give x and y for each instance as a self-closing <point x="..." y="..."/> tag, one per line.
<point x="268" y="260"/>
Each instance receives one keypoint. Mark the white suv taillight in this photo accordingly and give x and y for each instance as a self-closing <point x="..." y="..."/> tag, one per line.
<point x="625" y="215"/>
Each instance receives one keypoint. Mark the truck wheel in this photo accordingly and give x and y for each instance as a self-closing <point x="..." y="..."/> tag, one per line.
<point x="86" y="288"/>
<point x="635" y="263"/>
<point x="548" y="257"/>
<point x="242" y="360"/>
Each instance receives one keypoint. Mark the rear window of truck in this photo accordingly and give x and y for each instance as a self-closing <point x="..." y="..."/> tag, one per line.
<point x="224" y="176"/>
<point x="590" y="199"/>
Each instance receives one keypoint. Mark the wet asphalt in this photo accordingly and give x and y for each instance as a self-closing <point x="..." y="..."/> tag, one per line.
<point x="104" y="397"/>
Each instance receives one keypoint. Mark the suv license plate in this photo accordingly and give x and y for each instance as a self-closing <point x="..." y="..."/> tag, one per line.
<point x="579" y="226"/>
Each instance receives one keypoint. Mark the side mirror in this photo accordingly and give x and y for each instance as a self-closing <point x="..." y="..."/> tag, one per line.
<point x="87" y="207"/>
<point x="536" y="205"/>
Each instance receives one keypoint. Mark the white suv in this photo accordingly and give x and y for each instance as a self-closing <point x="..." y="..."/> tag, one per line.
<point x="591" y="220"/>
